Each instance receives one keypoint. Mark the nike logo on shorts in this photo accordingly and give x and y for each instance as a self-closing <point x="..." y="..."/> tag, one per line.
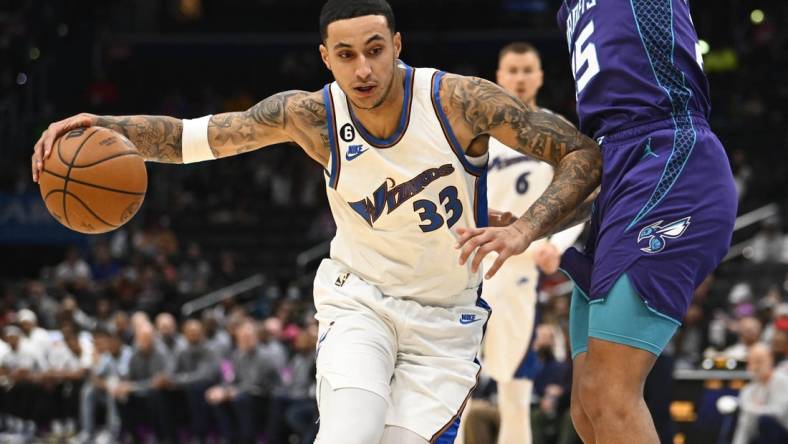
<point x="469" y="319"/>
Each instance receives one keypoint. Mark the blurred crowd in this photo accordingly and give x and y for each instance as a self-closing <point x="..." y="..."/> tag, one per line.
<point x="112" y="376"/>
<point x="97" y="348"/>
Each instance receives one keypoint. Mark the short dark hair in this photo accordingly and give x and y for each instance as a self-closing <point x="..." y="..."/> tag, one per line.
<point x="334" y="10"/>
<point x="517" y="48"/>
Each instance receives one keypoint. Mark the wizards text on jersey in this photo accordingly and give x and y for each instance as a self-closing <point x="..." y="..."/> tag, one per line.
<point x="370" y="208"/>
<point x="499" y="163"/>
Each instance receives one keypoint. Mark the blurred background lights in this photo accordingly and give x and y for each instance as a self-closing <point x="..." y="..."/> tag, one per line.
<point x="757" y="16"/>
<point x="704" y="47"/>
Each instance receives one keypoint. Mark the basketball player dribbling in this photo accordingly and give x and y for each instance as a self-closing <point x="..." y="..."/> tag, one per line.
<point x="665" y="213"/>
<point x="404" y="153"/>
<point x="515" y="181"/>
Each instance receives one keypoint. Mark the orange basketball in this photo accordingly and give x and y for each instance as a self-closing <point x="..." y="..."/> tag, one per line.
<point x="94" y="181"/>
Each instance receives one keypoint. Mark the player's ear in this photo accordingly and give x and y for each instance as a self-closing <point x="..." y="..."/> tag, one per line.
<point x="324" y="56"/>
<point x="540" y="77"/>
<point x="498" y="73"/>
<point x="397" y="40"/>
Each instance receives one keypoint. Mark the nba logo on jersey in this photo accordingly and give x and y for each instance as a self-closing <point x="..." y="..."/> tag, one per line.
<point x="341" y="279"/>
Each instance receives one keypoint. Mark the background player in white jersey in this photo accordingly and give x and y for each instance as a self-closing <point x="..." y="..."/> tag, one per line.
<point x="515" y="181"/>
<point x="404" y="151"/>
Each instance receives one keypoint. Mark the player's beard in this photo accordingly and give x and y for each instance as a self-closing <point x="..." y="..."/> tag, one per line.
<point x="385" y="94"/>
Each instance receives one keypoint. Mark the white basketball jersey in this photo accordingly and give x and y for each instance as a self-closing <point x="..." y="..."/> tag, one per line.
<point x="397" y="202"/>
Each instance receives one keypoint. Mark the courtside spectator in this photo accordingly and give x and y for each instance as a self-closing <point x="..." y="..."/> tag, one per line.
<point x="111" y="363"/>
<point x="140" y="403"/>
<point x="763" y="403"/>
<point x="241" y="404"/>
<point x="197" y="367"/>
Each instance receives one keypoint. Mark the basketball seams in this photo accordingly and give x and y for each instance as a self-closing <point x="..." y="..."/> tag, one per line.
<point x="93" y="185"/>
<point x="84" y="204"/>
<point x="99" y="218"/>
<point x="68" y="174"/>
<point x="60" y="154"/>
<point x="114" y="156"/>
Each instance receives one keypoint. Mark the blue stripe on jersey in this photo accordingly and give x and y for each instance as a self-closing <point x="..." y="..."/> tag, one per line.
<point x="480" y="201"/>
<point x="332" y="137"/>
<point x="530" y="366"/>
<point x="450" y="434"/>
<point x="404" y="117"/>
<point x="654" y="21"/>
<point x="448" y="132"/>
<point x="480" y="302"/>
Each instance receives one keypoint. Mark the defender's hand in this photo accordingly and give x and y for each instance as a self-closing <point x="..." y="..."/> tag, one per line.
<point x="43" y="148"/>
<point x="506" y="241"/>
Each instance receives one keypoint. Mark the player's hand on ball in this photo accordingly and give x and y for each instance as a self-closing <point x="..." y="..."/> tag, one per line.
<point x="506" y="241"/>
<point x="43" y="148"/>
<point x="547" y="257"/>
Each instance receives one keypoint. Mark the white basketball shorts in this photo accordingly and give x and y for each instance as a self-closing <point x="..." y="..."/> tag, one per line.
<point x="421" y="359"/>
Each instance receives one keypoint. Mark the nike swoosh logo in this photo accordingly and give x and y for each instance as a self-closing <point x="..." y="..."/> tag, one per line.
<point x="469" y="321"/>
<point x="350" y="156"/>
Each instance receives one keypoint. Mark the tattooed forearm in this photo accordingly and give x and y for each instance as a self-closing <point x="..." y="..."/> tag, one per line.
<point x="579" y="215"/>
<point x="575" y="179"/>
<point x="158" y="138"/>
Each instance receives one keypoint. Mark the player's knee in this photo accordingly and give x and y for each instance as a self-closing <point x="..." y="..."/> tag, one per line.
<point x="350" y="416"/>
<point x="603" y="398"/>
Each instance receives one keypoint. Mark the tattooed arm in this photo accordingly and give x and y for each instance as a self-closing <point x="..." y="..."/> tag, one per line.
<point x="581" y="214"/>
<point x="477" y="107"/>
<point x="293" y="116"/>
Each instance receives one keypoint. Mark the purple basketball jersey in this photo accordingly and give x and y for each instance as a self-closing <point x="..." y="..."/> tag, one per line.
<point x="633" y="61"/>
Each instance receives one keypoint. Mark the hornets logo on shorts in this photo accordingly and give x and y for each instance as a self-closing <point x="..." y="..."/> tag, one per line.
<point x="656" y="234"/>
